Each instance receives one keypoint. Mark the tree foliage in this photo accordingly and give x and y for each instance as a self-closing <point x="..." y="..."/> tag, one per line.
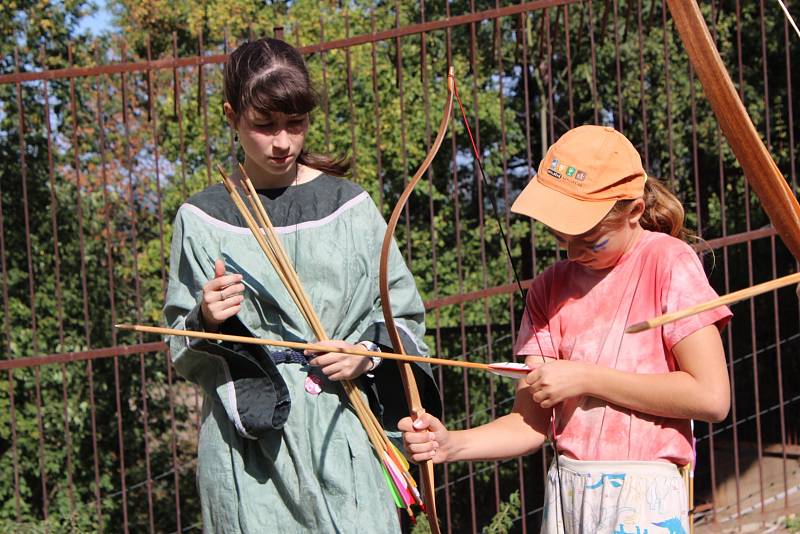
<point x="85" y="239"/>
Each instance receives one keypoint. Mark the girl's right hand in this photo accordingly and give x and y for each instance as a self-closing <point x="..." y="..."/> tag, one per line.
<point x="425" y="438"/>
<point x="222" y="297"/>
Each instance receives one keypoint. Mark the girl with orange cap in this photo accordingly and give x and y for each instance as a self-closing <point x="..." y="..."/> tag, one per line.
<point x="621" y="403"/>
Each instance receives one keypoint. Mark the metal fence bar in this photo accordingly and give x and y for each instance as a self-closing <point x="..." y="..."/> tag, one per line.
<point x="377" y="97"/>
<point x="620" y="114"/>
<point x="59" y="293"/>
<point x="792" y="172"/>
<point x="455" y="200"/>
<point x="132" y="186"/>
<point x="476" y="127"/>
<point x="510" y="272"/>
<point x="668" y="91"/>
<point x="729" y="332"/>
<point x="559" y="101"/>
<point x="100" y="86"/>
<point x="401" y="96"/>
<point x="568" y="55"/>
<point x="523" y="38"/>
<point x="178" y="112"/>
<point x="424" y="78"/>
<point x="202" y="104"/>
<point x="323" y="62"/>
<point x="642" y="92"/>
<point x="595" y="95"/>
<point x="753" y="338"/>
<point x="31" y="285"/>
<point x="351" y="108"/>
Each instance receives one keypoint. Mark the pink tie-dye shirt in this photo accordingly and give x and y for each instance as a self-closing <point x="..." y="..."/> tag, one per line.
<point x="581" y="314"/>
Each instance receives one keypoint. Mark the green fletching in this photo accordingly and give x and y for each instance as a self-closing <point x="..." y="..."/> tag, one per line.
<point x="389" y="482"/>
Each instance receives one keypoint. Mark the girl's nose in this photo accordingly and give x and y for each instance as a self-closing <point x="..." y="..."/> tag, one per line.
<point x="281" y="139"/>
<point x="574" y="251"/>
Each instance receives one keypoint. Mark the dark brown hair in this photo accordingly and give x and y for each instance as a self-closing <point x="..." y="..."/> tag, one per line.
<point x="663" y="211"/>
<point x="269" y="76"/>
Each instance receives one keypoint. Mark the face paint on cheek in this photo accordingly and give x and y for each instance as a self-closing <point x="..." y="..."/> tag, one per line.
<point x="600" y="245"/>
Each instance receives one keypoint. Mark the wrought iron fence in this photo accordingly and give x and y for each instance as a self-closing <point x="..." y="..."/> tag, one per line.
<point x="100" y="434"/>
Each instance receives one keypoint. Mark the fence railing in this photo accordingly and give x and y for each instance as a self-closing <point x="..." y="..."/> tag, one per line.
<point x="100" y="434"/>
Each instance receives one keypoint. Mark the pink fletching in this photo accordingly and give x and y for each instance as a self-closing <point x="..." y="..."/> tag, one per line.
<point x="510" y="369"/>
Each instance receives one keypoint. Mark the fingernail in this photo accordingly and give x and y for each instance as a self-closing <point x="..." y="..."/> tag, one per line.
<point x="431" y="436"/>
<point x="418" y="424"/>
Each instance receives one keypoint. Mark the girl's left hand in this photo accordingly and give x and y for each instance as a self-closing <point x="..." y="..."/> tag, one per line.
<point x="553" y="382"/>
<point x="337" y="366"/>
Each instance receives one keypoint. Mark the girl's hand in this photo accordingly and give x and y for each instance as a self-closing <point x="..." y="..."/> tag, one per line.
<point x="426" y="438"/>
<point x="222" y="297"/>
<point x="557" y="380"/>
<point x="337" y="366"/>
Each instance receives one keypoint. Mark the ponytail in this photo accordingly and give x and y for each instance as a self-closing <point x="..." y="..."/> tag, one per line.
<point x="663" y="211"/>
<point x="336" y="166"/>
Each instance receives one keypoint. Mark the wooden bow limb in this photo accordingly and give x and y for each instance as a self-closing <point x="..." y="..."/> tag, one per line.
<point x="777" y="198"/>
<point x="769" y="184"/>
<point x="406" y="372"/>
<point x="730" y="298"/>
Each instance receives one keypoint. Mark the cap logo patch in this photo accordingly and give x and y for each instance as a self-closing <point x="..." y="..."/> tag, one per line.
<point x="561" y="170"/>
<point x="554" y="169"/>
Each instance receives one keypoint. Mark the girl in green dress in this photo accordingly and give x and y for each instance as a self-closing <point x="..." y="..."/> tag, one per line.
<point x="279" y="448"/>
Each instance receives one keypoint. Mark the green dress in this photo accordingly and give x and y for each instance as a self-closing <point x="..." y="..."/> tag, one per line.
<point x="272" y="456"/>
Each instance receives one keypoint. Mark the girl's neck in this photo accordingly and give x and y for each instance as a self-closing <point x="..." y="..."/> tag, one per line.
<point x="296" y="174"/>
<point x="636" y="233"/>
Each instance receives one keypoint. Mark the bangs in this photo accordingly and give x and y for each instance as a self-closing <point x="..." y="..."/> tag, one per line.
<point x="281" y="90"/>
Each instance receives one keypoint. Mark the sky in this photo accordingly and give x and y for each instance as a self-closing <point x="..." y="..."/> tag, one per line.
<point x="98" y="22"/>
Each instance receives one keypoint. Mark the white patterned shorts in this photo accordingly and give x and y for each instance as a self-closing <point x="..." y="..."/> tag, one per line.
<point x="601" y="497"/>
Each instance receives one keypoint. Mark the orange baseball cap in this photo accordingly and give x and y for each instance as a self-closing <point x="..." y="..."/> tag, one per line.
<point x="580" y="179"/>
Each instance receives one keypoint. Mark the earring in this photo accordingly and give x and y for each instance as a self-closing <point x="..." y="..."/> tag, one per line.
<point x="236" y="137"/>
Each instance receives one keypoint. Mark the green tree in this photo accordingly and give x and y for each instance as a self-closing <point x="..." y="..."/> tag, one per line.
<point x="134" y="146"/>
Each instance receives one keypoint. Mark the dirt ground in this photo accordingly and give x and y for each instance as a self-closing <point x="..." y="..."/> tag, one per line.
<point x="771" y="480"/>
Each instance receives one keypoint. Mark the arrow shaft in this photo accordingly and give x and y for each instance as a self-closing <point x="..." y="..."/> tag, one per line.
<point x="300" y="346"/>
<point x="730" y="298"/>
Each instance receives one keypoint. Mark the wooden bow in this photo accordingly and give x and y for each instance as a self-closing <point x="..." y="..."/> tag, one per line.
<point x="406" y="373"/>
<point x="760" y="170"/>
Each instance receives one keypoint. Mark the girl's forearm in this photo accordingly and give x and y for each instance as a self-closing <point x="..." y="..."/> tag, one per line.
<point x="676" y="394"/>
<point x="506" y="437"/>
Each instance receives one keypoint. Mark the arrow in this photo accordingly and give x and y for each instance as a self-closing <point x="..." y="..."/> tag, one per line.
<point x="508" y="369"/>
<point x="730" y="298"/>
